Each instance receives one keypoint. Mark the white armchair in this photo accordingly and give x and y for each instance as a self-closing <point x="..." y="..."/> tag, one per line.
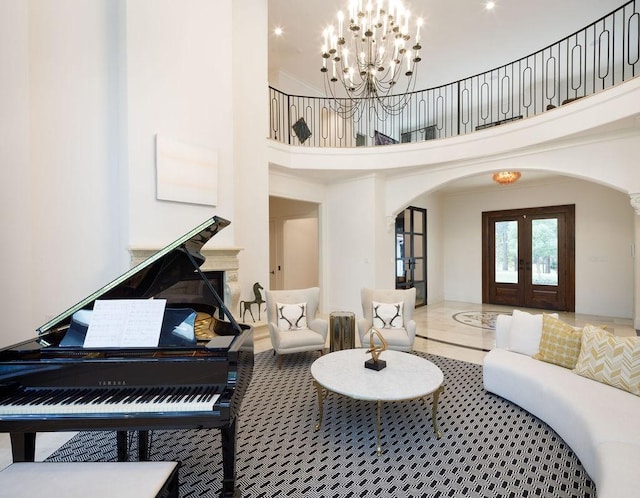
<point x="293" y="325"/>
<point x="390" y="311"/>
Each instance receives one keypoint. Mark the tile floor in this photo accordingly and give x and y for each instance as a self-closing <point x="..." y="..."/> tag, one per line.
<point x="440" y="334"/>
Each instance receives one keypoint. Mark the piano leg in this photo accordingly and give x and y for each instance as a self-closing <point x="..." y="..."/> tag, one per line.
<point x="123" y="449"/>
<point x="228" y="440"/>
<point x="121" y="442"/>
<point x="143" y="446"/>
<point x="23" y="446"/>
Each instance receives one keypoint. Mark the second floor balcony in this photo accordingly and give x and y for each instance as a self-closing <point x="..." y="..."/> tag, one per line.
<point x="595" y="58"/>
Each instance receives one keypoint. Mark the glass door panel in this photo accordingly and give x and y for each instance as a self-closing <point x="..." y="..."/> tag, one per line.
<point x="400" y="271"/>
<point x="544" y="251"/>
<point x="417" y="245"/>
<point x="408" y="246"/>
<point x="506" y="252"/>
<point x="418" y="219"/>
<point x="410" y="267"/>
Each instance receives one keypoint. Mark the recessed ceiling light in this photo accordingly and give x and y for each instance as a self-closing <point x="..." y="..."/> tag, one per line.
<point x="489" y="5"/>
<point x="277" y="31"/>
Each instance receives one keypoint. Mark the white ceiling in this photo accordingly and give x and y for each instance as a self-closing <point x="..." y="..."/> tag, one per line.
<point x="460" y="38"/>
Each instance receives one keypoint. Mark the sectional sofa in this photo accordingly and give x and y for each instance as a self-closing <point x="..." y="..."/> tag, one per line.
<point x="600" y="422"/>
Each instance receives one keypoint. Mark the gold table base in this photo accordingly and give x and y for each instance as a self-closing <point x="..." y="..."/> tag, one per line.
<point x="323" y="392"/>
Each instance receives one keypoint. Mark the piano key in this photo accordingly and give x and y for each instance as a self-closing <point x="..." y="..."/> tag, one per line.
<point x="96" y="401"/>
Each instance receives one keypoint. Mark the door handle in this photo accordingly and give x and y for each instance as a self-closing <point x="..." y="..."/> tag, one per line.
<point x="524" y="265"/>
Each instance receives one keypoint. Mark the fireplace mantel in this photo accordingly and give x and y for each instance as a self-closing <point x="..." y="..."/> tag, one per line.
<point x="223" y="259"/>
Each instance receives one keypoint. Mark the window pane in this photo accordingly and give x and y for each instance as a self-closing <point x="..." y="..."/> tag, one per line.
<point x="544" y="260"/>
<point x="417" y="221"/>
<point x="400" y="223"/>
<point x="417" y="246"/>
<point x="506" y="242"/>
<point x="418" y="270"/>
<point x="400" y="256"/>
<point x="408" y="250"/>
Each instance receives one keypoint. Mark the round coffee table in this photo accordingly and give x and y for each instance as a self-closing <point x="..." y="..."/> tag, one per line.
<point x="405" y="377"/>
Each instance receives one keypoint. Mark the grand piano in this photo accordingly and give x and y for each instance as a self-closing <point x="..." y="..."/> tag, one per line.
<point x="194" y="378"/>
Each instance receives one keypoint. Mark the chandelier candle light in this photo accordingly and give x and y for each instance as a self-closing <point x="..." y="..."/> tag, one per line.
<point x="368" y="53"/>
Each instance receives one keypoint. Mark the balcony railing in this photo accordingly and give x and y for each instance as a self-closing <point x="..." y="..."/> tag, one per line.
<point x="599" y="56"/>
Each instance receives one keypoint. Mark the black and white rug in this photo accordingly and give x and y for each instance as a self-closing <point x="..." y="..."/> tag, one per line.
<point x="489" y="447"/>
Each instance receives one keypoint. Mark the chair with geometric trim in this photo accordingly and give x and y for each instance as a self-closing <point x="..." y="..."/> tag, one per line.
<point x="293" y="324"/>
<point x="390" y="312"/>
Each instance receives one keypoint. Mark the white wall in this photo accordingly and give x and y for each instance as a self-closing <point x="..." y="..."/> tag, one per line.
<point x="76" y="229"/>
<point x="17" y="185"/>
<point x="603" y="239"/>
<point x="250" y="178"/>
<point x="174" y="83"/>
<point x="349" y="244"/>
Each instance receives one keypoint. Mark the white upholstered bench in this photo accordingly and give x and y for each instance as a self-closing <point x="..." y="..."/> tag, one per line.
<point x="95" y="479"/>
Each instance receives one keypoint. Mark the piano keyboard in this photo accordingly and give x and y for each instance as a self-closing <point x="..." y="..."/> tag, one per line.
<point x="105" y="400"/>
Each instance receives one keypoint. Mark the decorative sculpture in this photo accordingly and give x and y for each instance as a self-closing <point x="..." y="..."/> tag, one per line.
<point x="375" y="363"/>
<point x="246" y="305"/>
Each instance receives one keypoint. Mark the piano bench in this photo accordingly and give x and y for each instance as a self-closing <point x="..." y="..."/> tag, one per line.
<point x="95" y="479"/>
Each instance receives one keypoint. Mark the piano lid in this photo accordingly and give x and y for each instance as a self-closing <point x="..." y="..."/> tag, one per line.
<point x="153" y="275"/>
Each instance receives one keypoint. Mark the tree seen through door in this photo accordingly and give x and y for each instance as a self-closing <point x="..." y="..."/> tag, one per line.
<point x="544" y="258"/>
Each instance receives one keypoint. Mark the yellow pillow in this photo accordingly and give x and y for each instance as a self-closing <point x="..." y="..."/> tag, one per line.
<point x="559" y="343"/>
<point x="610" y="359"/>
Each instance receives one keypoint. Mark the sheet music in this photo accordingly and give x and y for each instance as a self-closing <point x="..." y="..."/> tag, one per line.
<point x="125" y="323"/>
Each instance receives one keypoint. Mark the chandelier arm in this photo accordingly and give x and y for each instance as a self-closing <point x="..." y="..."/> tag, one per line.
<point x="369" y="77"/>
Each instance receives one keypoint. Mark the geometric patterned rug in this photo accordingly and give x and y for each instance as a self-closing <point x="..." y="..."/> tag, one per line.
<point x="489" y="447"/>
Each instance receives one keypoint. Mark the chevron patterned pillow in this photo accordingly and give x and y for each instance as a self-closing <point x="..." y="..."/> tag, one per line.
<point x="610" y="359"/>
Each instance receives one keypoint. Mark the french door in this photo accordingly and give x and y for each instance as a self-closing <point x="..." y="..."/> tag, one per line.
<point x="529" y="257"/>
<point x="411" y="252"/>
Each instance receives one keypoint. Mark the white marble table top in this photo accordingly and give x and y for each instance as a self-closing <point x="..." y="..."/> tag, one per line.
<point x="406" y="375"/>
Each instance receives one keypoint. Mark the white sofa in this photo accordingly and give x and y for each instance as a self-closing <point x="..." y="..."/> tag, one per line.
<point x="600" y="423"/>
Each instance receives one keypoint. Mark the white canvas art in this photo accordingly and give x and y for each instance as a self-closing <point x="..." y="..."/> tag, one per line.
<point x="186" y="173"/>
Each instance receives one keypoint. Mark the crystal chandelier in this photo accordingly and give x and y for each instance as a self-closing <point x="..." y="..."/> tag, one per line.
<point x="368" y="54"/>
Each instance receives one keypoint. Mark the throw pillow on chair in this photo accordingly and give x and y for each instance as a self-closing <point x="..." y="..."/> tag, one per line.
<point x="292" y="316"/>
<point x="387" y="315"/>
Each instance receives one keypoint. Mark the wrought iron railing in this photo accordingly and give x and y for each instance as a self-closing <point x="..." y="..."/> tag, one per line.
<point x="599" y="56"/>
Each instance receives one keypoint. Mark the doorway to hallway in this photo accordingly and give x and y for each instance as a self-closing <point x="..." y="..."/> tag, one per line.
<point x="528" y="257"/>
<point x="293" y="244"/>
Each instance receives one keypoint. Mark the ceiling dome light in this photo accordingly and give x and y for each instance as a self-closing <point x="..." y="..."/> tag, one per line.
<point x="506" y="177"/>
